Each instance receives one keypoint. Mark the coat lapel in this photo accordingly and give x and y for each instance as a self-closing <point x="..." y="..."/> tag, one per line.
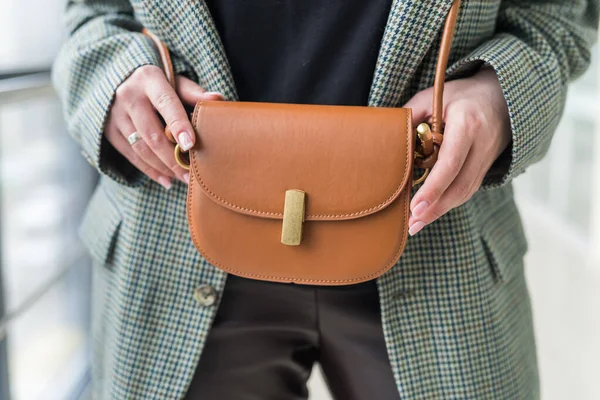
<point x="189" y="31"/>
<point x="412" y="27"/>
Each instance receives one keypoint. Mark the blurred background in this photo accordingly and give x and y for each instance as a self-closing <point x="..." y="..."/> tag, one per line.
<point x="45" y="272"/>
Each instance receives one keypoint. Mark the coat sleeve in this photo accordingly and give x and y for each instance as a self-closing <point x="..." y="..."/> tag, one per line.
<point x="539" y="47"/>
<point x="104" y="47"/>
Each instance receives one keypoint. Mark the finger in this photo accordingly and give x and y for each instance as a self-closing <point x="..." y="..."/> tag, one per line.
<point x="120" y="144"/>
<point x="420" y="104"/>
<point x="122" y="124"/>
<point x="140" y="148"/>
<point x="452" y="156"/>
<point x="459" y="192"/>
<point x="190" y="92"/>
<point x="164" y="98"/>
<point x="148" y="125"/>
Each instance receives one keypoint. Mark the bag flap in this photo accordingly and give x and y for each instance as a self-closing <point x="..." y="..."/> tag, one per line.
<point x="350" y="161"/>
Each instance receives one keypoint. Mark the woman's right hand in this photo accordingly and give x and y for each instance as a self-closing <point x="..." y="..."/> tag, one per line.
<point x="135" y="108"/>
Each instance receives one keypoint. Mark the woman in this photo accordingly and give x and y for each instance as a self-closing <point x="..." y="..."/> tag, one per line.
<point x="451" y="320"/>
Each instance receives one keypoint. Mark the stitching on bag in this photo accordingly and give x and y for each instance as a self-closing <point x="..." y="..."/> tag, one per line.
<point x="309" y="216"/>
<point x="279" y="278"/>
<point x="307" y="281"/>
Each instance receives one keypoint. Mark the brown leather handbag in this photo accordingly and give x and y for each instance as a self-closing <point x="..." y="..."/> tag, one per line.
<point x="305" y="193"/>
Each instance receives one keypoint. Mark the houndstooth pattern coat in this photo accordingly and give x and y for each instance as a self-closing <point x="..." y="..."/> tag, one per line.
<point x="455" y="309"/>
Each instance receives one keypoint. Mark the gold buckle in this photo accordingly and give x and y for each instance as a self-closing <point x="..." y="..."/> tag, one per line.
<point x="293" y="217"/>
<point x="179" y="160"/>
<point x="422" y="178"/>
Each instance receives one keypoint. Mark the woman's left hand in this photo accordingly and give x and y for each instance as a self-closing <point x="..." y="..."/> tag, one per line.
<point x="477" y="131"/>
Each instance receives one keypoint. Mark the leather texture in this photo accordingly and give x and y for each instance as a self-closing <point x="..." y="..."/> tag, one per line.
<point x="353" y="163"/>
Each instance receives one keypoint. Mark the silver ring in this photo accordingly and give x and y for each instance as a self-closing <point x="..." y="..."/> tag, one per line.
<point x="133" y="138"/>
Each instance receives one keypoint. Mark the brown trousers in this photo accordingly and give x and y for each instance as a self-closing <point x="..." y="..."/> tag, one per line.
<point x="267" y="336"/>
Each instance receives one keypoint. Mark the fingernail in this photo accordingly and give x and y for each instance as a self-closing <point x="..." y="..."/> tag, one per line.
<point x="165" y="182"/>
<point x="214" y="94"/>
<point x="420" y="208"/>
<point x="185" y="141"/>
<point x="416" y="228"/>
<point x="186" y="178"/>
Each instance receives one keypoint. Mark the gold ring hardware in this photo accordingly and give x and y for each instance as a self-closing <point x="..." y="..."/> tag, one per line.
<point x="422" y="178"/>
<point x="179" y="160"/>
<point x="423" y="131"/>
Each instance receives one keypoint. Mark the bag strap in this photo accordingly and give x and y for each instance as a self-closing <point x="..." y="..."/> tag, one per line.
<point x="165" y="56"/>
<point x="430" y="139"/>
<point x="167" y="66"/>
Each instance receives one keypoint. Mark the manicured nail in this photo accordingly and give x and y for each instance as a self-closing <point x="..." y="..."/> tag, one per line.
<point x="420" y="209"/>
<point x="186" y="178"/>
<point x="185" y="141"/>
<point x="214" y="94"/>
<point x="165" y="182"/>
<point x="416" y="228"/>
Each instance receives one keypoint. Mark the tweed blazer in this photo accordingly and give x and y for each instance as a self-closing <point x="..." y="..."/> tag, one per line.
<point x="455" y="309"/>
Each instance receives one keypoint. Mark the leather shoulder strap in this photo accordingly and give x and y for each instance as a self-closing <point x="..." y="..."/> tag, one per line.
<point x="167" y="65"/>
<point x="165" y="56"/>
<point x="435" y="137"/>
<point x="440" y="72"/>
<point x="430" y="139"/>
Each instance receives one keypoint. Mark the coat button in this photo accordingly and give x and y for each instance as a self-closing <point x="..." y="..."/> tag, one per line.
<point x="205" y="295"/>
